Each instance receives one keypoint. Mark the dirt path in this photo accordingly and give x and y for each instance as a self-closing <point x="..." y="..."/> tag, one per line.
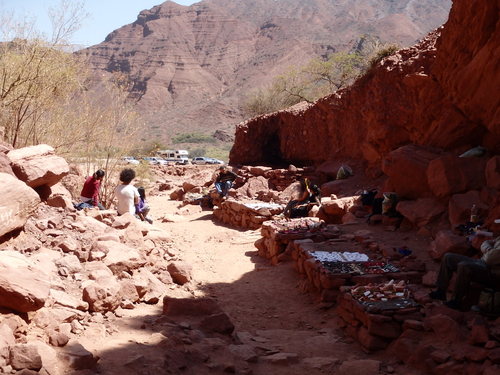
<point x="289" y="330"/>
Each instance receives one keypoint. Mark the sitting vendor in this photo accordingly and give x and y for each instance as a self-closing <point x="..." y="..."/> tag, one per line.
<point x="224" y="181"/>
<point x="485" y="270"/>
<point x="309" y="196"/>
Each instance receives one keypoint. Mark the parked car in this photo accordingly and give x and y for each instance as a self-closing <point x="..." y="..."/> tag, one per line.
<point x="201" y="160"/>
<point x="155" y="160"/>
<point x="215" y="161"/>
<point x="130" y="160"/>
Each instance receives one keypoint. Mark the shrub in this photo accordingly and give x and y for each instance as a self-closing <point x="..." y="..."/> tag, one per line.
<point x="192" y="138"/>
<point x="382" y="54"/>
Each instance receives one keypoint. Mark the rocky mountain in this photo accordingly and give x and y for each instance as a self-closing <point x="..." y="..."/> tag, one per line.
<point x="190" y="68"/>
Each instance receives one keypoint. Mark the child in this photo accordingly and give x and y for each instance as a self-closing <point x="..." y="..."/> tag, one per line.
<point x="142" y="208"/>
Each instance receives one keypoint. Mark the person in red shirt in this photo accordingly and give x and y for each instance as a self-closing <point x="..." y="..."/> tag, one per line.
<point x="90" y="191"/>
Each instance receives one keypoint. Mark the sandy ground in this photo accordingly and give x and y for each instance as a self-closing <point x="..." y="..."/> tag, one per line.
<point x="266" y="303"/>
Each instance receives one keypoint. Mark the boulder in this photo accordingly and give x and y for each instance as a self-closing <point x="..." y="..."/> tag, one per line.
<point x="492" y="172"/>
<point x="181" y="272"/>
<point x="25" y="356"/>
<point x="409" y="158"/>
<point x="245" y="352"/>
<point x="447" y="329"/>
<point x="103" y="295"/>
<point x="190" y="306"/>
<point x="67" y="300"/>
<point x="451" y="174"/>
<point x="60" y="197"/>
<point x="219" y="323"/>
<point x="38" y="165"/>
<point x="7" y="339"/>
<point x="422" y="211"/>
<point x="338" y="207"/>
<point x="123" y="221"/>
<point x="120" y="257"/>
<point x="149" y="288"/>
<point x="5" y="165"/>
<point x="447" y="242"/>
<point x="129" y="289"/>
<point x="50" y="362"/>
<point x="254" y="186"/>
<point x="22" y="287"/>
<point x="70" y="262"/>
<point x="18" y="203"/>
<point x="77" y="357"/>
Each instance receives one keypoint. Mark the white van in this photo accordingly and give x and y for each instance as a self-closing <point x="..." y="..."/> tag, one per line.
<point x="176" y="156"/>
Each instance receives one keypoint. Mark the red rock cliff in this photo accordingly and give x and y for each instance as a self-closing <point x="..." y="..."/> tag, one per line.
<point x="441" y="93"/>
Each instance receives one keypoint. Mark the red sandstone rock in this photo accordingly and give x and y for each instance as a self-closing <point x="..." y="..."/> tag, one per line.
<point x="446" y="328"/>
<point x="448" y="242"/>
<point x="254" y="186"/>
<point x="120" y="257"/>
<point x="22" y="287"/>
<point x="58" y="338"/>
<point x="440" y="356"/>
<point x="181" y="272"/>
<point x="77" y="357"/>
<point x="103" y="295"/>
<point x="152" y="288"/>
<point x="409" y="158"/>
<point x="422" y="211"/>
<point x="219" y="323"/>
<point x="5" y="165"/>
<point x="450" y="174"/>
<point x="370" y="342"/>
<point x="38" y="165"/>
<point x="25" y="356"/>
<point x="18" y="203"/>
<point x="479" y="334"/>
<point x="190" y="307"/>
<point x="493" y="173"/>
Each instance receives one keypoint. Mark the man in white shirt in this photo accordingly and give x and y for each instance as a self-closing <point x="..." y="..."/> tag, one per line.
<point x="126" y="194"/>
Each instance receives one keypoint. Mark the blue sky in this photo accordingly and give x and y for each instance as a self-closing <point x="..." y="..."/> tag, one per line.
<point x="104" y="15"/>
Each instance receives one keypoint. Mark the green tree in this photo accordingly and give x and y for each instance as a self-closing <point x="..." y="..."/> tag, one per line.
<point x="318" y="78"/>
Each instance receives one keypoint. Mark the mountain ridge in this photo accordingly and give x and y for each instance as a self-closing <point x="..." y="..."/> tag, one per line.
<point x="190" y="67"/>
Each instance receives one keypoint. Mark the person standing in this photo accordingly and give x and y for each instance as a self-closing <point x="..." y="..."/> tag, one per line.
<point x="126" y="194"/>
<point x="91" y="188"/>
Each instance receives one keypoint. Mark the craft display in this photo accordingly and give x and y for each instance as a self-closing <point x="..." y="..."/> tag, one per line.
<point x="295" y="226"/>
<point x="351" y="263"/>
<point x="334" y="256"/>
<point x="387" y="296"/>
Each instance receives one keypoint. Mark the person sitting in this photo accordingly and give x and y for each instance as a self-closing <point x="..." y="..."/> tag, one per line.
<point x="126" y="194"/>
<point x="89" y="197"/>
<point x="309" y="196"/>
<point x="485" y="270"/>
<point x="142" y="208"/>
<point x="224" y="180"/>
